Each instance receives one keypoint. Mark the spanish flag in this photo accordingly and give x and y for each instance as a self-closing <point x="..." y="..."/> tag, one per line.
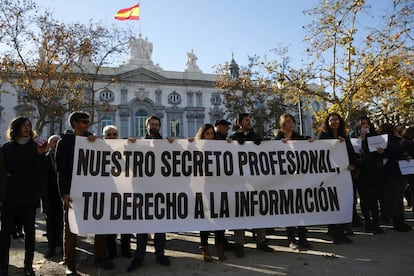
<point x="131" y="13"/>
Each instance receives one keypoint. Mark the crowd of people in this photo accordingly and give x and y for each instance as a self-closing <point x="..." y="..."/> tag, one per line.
<point x="32" y="169"/>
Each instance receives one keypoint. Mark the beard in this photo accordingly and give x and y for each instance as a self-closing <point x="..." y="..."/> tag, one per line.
<point x="154" y="132"/>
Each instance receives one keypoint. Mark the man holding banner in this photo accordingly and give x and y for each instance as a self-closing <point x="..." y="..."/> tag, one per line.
<point x="246" y="133"/>
<point x="79" y="121"/>
<point x="153" y="124"/>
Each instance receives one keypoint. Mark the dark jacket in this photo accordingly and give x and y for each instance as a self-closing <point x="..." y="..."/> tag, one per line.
<point x="64" y="162"/>
<point x="25" y="171"/>
<point x="158" y="136"/>
<point x="371" y="162"/>
<point x="65" y="151"/>
<point x="220" y="137"/>
<point x="369" y="169"/>
<point x="51" y="195"/>
<point x="241" y="137"/>
<point x="392" y="154"/>
<point x="2" y="178"/>
<point x="295" y="136"/>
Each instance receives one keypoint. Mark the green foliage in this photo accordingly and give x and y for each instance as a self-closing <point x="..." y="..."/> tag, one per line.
<point x="254" y="91"/>
<point x="368" y="70"/>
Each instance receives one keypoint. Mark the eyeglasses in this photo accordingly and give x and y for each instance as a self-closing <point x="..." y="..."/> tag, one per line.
<point x="111" y="134"/>
<point x="84" y="121"/>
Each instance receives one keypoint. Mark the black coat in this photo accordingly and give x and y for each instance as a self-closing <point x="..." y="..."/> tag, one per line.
<point x="295" y="136"/>
<point x="51" y="196"/>
<point x="65" y="151"/>
<point x="64" y="162"/>
<point x="241" y="137"/>
<point x="157" y="136"/>
<point x="25" y="170"/>
<point x="2" y="178"/>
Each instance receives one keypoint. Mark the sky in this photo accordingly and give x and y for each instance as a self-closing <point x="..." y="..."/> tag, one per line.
<point x="214" y="29"/>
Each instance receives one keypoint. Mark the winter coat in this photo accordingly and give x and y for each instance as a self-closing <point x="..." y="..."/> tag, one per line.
<point x="25" y="170"/>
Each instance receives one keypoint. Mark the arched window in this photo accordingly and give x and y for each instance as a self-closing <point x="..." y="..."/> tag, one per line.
<point x="174" y="98"/>
<point x="106" y="96"/>
<point x="215" y="99"/>
<point x="139" y="123"/>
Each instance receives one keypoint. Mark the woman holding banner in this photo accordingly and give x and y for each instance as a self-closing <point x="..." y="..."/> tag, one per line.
<point x="287" y="124"/>
<point x="206" y="132"/>
<point x="333" y="127"/>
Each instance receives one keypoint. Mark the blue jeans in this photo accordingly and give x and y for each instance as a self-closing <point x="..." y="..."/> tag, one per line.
<point x="159" y="245"/>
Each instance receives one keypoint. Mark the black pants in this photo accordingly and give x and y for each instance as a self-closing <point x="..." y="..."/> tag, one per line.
<point x="290" y="231"/>
<point x="218" y="237"/>
<point x="111" y="243"/>
<point x="54" y="224"/>
<point x="8" y="216"/>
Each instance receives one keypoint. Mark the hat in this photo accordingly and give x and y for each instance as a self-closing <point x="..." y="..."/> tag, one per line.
<point x="222" y="122"/>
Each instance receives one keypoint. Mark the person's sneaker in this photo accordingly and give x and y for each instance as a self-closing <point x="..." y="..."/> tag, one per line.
<point x="264" y="247"/>
<point x="104" y="263"/>
<point x="293" y="245"/>
<point x="163" y="260"/>
<point x="134" y="264"/>
<point x="239" y="251"/>
<point x="71" y="271"/>
<point x="21" y="234"/>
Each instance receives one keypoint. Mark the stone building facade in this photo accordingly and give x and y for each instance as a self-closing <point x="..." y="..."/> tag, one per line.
<point x="183" y="100"/>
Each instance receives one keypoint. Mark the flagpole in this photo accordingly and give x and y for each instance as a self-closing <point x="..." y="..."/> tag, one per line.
<point x="139" y="21"/>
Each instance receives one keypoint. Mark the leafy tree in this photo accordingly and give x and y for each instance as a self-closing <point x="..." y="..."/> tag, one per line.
<point x="364" y="69"/>
<point x="388" y="80"/>
<point x="54" y="65"/>
<point x="253" y="90"/>
<point x="268" y="86"/>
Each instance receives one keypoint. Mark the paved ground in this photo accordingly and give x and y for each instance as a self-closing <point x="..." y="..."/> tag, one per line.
<point x="388" y="254"/>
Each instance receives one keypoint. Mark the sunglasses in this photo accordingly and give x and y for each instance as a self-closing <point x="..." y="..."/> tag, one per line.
<point x="111" y="134"/>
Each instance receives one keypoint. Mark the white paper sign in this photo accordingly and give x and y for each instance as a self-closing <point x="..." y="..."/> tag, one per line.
<point x="378" y="141"/>
<point x="356" y="144"/>
<point x="406" y="166"/>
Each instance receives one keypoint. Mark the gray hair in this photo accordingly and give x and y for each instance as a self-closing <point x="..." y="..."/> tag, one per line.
<point x="108" y="127"/>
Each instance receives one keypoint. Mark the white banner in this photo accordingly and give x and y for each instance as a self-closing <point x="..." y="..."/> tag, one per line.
<point x="154" y="186"/>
